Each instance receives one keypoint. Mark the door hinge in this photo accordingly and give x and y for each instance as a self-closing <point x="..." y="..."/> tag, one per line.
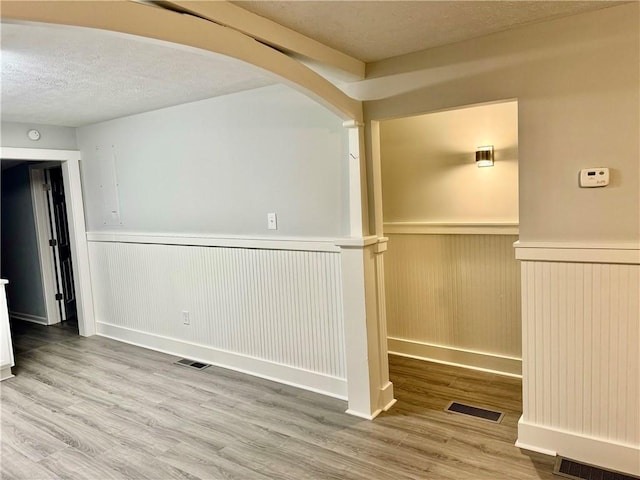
<point x="53" y="242"/>
<point x="46" y="187"/>
<point x="59" y="296"/>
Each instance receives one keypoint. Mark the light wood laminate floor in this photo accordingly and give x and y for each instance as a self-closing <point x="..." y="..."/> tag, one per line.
<point x="93" y="408"/>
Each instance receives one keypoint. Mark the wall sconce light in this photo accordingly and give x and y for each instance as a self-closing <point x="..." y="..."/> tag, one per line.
<point x="484" y="156"/>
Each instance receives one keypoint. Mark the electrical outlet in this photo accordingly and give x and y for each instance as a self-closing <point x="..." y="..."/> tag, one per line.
<point x="185" y="318"/>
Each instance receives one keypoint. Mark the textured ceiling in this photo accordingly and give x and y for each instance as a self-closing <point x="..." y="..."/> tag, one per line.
<point x="75" y="76"/>
<point x="374" y="30"/>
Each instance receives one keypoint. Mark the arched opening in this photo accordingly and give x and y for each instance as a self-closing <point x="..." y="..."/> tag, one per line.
<point x="110" y="155"/>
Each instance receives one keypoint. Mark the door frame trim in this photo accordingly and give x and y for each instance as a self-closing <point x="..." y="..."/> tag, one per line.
<point x="70" y="163"/>
<point x="47" y="268"/>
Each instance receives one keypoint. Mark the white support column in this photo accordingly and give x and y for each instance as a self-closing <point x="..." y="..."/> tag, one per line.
<point x="368" y="388"/>
<point x="357" y="181"/>
<point x="386" y="387"/>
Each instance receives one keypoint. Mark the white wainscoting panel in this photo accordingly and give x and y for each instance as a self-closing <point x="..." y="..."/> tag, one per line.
<point x="581" y="356"/>
<point x="455" y="291"/>
<point x="277" y="306"/>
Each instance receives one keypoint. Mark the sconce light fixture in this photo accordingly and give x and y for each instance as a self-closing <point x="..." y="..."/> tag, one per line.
<point x="484" y="156"/>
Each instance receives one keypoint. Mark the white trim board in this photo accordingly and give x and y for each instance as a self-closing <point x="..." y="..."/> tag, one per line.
<point x="430" y="228"/>
<point x="43" y="154"/>
<point x="296" y="377"/>
<point x="27" y="317"/>
<point x="623" y="253"/>
<point x="310" y="244"/>
<point x="458" y="357"/>
<point x="594" y="451"/>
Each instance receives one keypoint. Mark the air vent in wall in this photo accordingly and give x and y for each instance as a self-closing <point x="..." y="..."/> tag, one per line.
<point x="185" y="362"/>
<point x="581" y="471"/>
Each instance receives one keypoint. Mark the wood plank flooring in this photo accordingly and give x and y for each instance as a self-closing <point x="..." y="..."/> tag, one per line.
<point x="93" y="408"/>
<point x="27" y="335"/>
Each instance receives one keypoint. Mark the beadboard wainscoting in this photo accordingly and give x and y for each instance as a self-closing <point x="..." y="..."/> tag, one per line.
<point x="581" y="360"/>
<point x="454" y="298"/>
<point x="272" y="312"/>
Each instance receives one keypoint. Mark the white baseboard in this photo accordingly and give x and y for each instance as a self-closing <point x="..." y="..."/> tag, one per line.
<point x="594" y="451"/>
<point x="363" y="415"/>
<point x="28" y="318"/>
<point x="485" y="362"/>
<point x="296" y="377"/>
<point x="386" y="396"/>
<point x="5" y="373"/>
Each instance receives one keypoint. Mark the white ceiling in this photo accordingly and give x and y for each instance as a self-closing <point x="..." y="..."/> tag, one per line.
<point x="375" y="30"/>
<point x="74" y="76"/>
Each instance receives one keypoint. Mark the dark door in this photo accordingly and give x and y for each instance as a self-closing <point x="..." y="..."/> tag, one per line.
<point x="59" y="218"/>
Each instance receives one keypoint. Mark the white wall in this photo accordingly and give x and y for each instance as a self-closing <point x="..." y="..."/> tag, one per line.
<point x="191" y="186"/>
<point x="219" y="166"/>
<point x="429" y="172"/>
<point x="54" y="137"/>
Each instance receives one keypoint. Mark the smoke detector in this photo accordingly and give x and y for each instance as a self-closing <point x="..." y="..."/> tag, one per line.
<point x="33" y="135"/>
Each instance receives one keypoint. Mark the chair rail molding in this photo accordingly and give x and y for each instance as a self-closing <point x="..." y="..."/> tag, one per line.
<point x="428" y="228"/>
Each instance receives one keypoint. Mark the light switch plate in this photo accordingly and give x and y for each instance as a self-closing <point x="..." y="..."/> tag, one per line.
<point x="272" y="221"/>
<point x="594" y="177"/>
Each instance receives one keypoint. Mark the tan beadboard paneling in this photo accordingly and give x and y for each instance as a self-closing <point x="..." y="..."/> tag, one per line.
<point x="459" y="291"/>
<point x="581" y="331"/>
<point x="275" y="305"/>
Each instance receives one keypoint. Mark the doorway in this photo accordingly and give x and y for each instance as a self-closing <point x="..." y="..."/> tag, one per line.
<point x="37" y="255"/>
<point x="452" y="284"/>
<point x="69" y="163"/>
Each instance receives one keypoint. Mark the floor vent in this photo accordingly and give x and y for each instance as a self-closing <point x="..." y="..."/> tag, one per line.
<point x="582" y="471"/>
<point x="185" y="362"/>
<point x="477" y="412"/>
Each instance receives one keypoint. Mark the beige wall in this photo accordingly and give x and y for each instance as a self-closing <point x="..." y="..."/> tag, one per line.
<point x="450" y="294"/>
<point x="577" y="84"/>
<point x="453" y="298"/>
<point x="429" y="172"/>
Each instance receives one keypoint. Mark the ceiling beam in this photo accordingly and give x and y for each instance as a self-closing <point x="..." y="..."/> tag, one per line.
<point x="164" y="25"/>
<point x="274" y="34"/>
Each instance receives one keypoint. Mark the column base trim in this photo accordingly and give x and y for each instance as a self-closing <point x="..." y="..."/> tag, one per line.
<point x="5" y="373"/>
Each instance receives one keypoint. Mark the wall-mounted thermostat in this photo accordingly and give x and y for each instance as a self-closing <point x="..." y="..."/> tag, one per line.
<point x="594" y="177"/>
